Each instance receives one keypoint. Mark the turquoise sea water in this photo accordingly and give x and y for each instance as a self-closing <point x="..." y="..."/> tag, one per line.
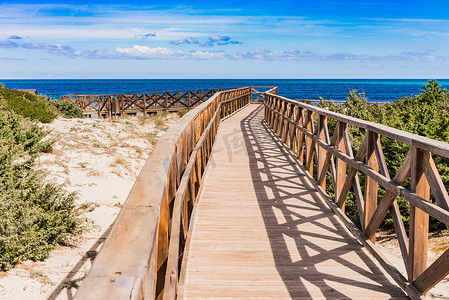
<point x="336" y="89"/>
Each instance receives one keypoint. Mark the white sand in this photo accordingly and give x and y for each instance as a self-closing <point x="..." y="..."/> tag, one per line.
<point x="100" y="160"/>
<point x="438" y="242"/>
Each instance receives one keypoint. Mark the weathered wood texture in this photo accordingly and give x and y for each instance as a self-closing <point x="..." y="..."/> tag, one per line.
<point x="262" y="231"/>
<point x="419" y="166"/>
<point x="140" y="258"/>
<point x="145" y="103"/>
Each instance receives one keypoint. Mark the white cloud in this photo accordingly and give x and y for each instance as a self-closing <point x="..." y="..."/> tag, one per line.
<point x="206" y="44"/>
<point x="187" y="40"/>
<point x="51" y="47"/>
<point x="145" y="52"/>
<point x="205" y="55"/>
<point x="191" y="40"/>
<point x="8" y="44"/>
<point x="424" y="56"/>
<point x="148" y="53"/>
<point x="219" y="38"/>
<point x="146" y="36"/>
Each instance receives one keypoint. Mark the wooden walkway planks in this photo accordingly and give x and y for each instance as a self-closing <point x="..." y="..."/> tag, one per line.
<point x="261" y="231"/>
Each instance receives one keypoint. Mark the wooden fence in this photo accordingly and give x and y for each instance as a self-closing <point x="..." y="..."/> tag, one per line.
<point x="304" y="129"/>
<point x="143" y="256"/>
<point x="145" y="103"/>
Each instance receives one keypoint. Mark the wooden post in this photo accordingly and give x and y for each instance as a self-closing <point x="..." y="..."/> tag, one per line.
<point x="321" y="155"/>
<point x="300" y="136"/>
<point x="371" y="185"/>
<point x="114" y="106"/>
<point x="419" y="220"/>
<point x="99" y="108"/>
<point x="286" y="124"/>
<point x="295" y="117"/>
<point x="189" y="100"/>
<point x="144" y="105"/>
<point x="340" y="177"/>
<point x="309" y="146"/>
<point x="166" y="101"/>
<point x="109" y="107"/>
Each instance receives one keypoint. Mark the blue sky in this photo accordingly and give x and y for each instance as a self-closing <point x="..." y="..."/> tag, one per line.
<point x="224" y="39"/>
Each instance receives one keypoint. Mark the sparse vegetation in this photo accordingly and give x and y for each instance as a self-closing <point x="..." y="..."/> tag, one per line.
<point x="83" y="164"/>
<point x="182" y="112"/>
<point x="41" y="277"/>
<point x="117" y="204"/>
<point x="152" y="137"/>
<point x="142" y="120"/>
<point x="160" y="120"/>
<point x="89" y="206"/>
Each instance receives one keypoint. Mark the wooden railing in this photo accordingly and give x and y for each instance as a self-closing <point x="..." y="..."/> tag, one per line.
<point x="258" y="96"/>
<point x="145" y="103"/>
<point x="143" y="256"/>
<point x="304" y="129"/>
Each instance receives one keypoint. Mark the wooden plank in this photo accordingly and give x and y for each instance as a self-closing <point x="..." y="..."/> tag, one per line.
<point x="419" y="220"/>
<point x="321" y="153"/>
<point x="300" y="137"/>
<point x="434" y="274"/>
<point x="310" y="145"/>
<point x="327" y="160"/>
<point x="371" y="186"/>
<point x="387" y="201"/>
<point x="354" y="178"/>
<point x="340" y="175"/>
<point x="436" y="184"/>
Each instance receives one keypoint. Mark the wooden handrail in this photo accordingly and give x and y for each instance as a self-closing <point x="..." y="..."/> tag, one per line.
<point x="107" y="105"/>
<point x="140" y="258"/>
<point x="303" y="128"/>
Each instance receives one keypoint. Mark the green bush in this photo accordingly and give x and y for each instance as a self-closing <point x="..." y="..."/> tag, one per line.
<point x="68" y="109"/>
<point x="25" y="104"/>
<point x="426" y="114"/>
<point x="38" y="107"/>
<point x="35" y="215"/>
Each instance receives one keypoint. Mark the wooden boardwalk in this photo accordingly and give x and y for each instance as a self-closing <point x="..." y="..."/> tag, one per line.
<point x="262" y="231"/>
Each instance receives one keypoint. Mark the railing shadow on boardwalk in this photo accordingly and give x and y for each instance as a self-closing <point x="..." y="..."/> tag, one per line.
<point x="267" y="167"/>
<point x="68" y="284"/>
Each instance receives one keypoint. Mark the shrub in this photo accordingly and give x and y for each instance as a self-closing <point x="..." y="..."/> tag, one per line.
<point x="35" y="215"/>
<point x="28" y="105"/>
<point x="38" y="107"/>
<point x="67" y="109"/>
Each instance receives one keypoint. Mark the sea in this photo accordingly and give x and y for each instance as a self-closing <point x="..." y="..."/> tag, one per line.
<point x="377" y="90"/>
